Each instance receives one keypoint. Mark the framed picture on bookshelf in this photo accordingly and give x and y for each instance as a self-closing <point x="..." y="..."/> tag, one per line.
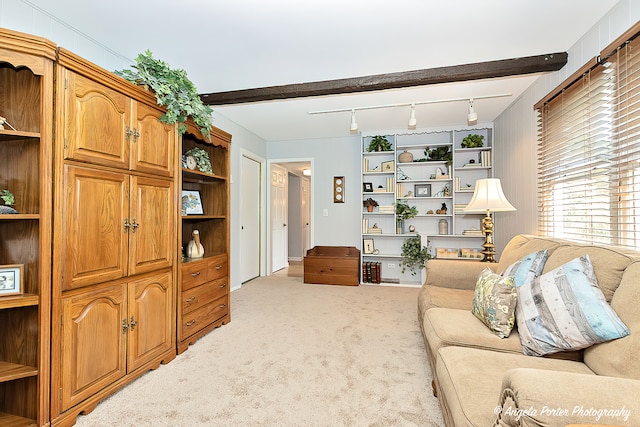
<point x="367" y="246"/>
<point x="422" y="190"/>
<point x="11" y="279"/>
<point x="388" y="166"/>
<point x="191" y="203"/>
<point x="367" y="187"/>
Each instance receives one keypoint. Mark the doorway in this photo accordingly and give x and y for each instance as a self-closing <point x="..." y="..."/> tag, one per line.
<point x="290" y="243"/>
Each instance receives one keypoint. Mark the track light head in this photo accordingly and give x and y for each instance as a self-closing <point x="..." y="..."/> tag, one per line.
<point x="354" y="125"/>
<point x="472" y="117"/>
<point x="412" y="118"/>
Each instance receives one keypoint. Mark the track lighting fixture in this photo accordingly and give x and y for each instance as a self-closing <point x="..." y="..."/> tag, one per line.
<point x="354" y="125"/>
<point x="412" y="118"/>
<point x="472" y="118"/>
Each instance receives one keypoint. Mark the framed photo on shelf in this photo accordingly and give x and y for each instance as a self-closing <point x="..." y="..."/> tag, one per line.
<point x="11" y="279"/>
<point x="367" y="246"/>
<point x="191" y="203"/>
<point x="367" y="187"/>
<point x="422" y="190"/>
<point x="388" y="166"/>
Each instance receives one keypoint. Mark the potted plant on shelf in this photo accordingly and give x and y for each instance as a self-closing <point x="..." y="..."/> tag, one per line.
<point x="369" y="204"/>
<point x="472" y="141"/>
<point x="404" y="212"/>
<point x="173" y="90"/>
<point x="440" y="154"/>
<point x="414" y="255"/>
<point x="8" y="200"/>
<point x="379" y="143"/>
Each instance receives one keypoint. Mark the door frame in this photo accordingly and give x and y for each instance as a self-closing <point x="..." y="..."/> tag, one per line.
<point x="268" y="198"/>
<point x="264" y="208"/>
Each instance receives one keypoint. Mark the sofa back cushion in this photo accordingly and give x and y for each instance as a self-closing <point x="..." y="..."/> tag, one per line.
<point x="619" y="358"/>
<point x="609" y="263"/>
<point x="522" y="245"/>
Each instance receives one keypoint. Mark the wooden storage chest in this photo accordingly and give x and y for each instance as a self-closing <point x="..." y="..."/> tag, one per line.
<point x="332" y="265"/>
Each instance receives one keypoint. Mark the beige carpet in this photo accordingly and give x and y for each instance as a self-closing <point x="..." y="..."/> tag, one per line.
<point x="294" y="354"/>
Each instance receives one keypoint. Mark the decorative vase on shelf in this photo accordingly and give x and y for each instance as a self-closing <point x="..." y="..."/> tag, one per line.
<point x="195" y="248"/>
<point x="405" y="157"/>
<point x="400" y="227"/>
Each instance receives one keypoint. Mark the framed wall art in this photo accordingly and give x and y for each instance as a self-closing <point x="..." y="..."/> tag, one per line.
<point x="11" y="279"/>
<point x="422" y="190"/>
<point x="367" y="246"/>
<point x="338" y="189"/>
<point x="191" y="203"/>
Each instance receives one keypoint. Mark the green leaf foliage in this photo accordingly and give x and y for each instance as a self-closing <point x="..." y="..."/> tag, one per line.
<point x="173" y="90"/>
<point x="414" y="255"/>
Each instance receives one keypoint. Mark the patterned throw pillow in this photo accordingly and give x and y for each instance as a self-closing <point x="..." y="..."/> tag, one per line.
<point x="528" y="268"/>
<point x="565" y="309"/>
<point x="494" y="302"/>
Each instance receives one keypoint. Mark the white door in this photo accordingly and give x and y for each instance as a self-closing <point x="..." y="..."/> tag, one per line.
<point x="279" y="235"/>
<point x="306" y="215"/>
<point x="250" y="197"/>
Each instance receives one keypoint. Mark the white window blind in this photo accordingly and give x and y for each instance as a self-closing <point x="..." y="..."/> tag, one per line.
<point x="589" y="155"/>
<point x="575" y="161"/>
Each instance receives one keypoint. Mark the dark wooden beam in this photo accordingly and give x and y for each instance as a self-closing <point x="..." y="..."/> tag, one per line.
<point x="457" y="73"/>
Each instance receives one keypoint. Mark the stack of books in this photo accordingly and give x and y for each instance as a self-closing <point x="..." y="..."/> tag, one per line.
<point x="388" y="209"/>
<point x="375" y="230"/>
<point x="371" y="272"/>
<point x="473" y="232"/>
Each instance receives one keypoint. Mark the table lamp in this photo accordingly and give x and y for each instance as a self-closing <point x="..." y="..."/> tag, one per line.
<point x="487" y="197"/>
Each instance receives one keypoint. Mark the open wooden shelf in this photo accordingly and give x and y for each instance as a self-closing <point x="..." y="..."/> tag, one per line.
<point x="15" y="371"/>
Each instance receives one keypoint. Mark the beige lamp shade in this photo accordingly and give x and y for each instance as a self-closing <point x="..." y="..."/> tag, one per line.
<point x="488" y="195"/>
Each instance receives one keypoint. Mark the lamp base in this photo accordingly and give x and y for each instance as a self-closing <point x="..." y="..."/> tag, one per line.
<point x="489" y="251"/>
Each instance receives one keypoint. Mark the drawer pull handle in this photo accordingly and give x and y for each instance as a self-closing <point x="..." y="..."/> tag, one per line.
<point x="196" y="274"/>
<point x="224" y="285"/>
<point x="222" y="305"/>
<point x="218" y="267"/>
<point x="191" y="322"/>
<point x="190" y="300"/>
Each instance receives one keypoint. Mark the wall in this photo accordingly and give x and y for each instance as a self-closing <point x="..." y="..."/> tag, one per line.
<point x="330" y="157"/>
<point x="516" y="127"/>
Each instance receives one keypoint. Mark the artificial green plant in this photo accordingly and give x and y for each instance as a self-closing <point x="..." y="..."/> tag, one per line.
<point x="173" y="90"/>
<point x="414" y="256"/>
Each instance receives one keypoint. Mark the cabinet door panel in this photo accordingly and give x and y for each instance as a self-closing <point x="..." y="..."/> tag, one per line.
<point x="150" y="306"/>
<point x="95" y="242"/>
<point x="152" y="243"/>
<point x="153" y="149"/>
<point x="96" y="120"/>
<point x="94" y="353"/>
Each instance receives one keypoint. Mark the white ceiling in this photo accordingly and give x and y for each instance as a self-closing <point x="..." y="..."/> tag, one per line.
<point x="240" y="44"/>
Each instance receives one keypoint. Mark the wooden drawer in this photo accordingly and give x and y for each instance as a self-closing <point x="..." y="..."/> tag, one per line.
<point x="204" y="316"/>
<point x="199" y="296"/>
<point x="217" y="267"/>
<point x="194" y="273"/>
<point x="332" y="265"/>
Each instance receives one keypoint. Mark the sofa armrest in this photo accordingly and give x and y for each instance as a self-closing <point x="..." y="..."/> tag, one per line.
<point x="455" y="274"/>
<point x="536" y="397"/>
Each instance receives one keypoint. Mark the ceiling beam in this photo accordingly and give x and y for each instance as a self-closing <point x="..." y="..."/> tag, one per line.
<point x="450" y="74"/>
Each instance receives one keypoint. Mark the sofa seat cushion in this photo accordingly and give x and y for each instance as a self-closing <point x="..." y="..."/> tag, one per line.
<point x="469" y="381"/>
<point x="451" y="327"/>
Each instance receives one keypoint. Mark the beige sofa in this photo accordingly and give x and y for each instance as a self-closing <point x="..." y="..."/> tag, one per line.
<point x="483" y="380"/>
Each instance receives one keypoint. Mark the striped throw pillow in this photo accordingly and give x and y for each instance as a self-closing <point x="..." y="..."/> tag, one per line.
<point x="564" y="309"/>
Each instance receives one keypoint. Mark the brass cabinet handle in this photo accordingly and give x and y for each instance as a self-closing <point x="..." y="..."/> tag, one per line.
<point x="190" y="300"/>
<point x="125" y="326"/>
<point x="222" y="305"/>
<point x="136" y="134"/>
<point x="196" y="274"/>
<point x="191" y="322"/>
<point x="218" y="267"/>
<point x="224" y="285"/>
<point x="126" y="225"/>
<point x="134" y="225"/>
<point x="133" y="323"/>
<point x="128" y="133"/>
